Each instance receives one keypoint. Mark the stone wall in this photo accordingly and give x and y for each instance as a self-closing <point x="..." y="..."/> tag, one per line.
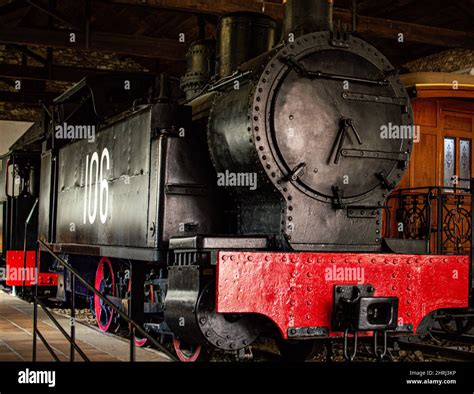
<point x="19" y="112"/>
<point x="447" y="61"/>
<point x="75" y="58"/>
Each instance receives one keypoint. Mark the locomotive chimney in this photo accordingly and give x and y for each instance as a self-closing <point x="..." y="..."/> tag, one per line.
<point x="200" y="62"/>
<point x="243" y="36"/>
<point x="307" y="16"/>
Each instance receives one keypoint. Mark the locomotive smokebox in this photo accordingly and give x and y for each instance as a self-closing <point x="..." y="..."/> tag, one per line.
<point x="200" y="62"/>
<point x="307" y="16"/>
<point x="243" y="36"/>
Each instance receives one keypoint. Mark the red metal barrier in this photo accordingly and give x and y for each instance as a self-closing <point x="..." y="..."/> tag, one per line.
<point x="295" y="290"/>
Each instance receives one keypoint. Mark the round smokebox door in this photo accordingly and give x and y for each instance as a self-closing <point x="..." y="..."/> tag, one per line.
<point x="326" y="139"/>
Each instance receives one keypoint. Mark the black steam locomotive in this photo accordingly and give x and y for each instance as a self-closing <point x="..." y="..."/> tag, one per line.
<point x="254" y="206"/>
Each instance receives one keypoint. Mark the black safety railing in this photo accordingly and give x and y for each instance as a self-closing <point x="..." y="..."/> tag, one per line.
<point x="440" y="216"/>
<point x="71" y="338"/>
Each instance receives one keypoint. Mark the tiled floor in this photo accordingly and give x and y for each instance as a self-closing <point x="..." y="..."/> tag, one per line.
<point x="16" y="326"/>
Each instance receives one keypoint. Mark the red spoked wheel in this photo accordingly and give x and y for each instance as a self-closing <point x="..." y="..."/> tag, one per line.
<point x="186" y="354"/>
<point x="105" y="283"/>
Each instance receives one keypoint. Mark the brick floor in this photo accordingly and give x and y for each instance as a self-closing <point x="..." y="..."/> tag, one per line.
<point x="16" y="327"/>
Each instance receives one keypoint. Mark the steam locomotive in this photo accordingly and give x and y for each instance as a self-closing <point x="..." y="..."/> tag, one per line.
<point x="252" y="207"/>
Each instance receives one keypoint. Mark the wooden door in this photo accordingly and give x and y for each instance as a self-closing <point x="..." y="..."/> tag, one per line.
<point x="456" y="163"/>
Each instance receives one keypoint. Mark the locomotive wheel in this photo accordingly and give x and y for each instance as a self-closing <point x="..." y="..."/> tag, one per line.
<point x="105" y="283"/>
<point x="456" y="325"/>
<point x="140" y="342"/>
<point x="187" y="353"/>
<point x="149" y="297"/>
<point x="225" y="331"/>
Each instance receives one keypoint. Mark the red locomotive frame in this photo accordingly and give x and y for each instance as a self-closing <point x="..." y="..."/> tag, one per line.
<point x="295" y="290"/>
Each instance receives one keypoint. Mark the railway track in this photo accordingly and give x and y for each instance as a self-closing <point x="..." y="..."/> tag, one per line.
<point x="464" y="338"/>
<point x="438" y="352"/>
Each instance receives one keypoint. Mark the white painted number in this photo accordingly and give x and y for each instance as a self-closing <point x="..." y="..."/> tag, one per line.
<point x="94" y="168"/>
<point x="94" y="163"/>
<point x="104" y="187"/>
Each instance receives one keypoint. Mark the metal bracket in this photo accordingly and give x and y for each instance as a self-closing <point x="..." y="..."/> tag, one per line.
<point x="362" y="212"/>
<point x="405" y="329"/>
<point x="375" y="98"/>
<point x="186" y="189"/>
<point x="300" y="69"/>
<point x="385" y="182"/>
<point x="307" y="332"/>
<point x="297" y="172"/>
<point x="372" y="154"/>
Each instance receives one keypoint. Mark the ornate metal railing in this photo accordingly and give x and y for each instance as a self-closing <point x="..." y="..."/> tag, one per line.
<point x="442" y="216"/>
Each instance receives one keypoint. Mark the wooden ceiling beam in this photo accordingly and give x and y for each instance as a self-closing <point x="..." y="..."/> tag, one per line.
<point x="211" y="7"/>
<point x="58" y="73"/>
<point x="53" y="15"/>
<point x="414" y="33"/>
<point x="108" y="42"/>
<point x="370" y="26"/>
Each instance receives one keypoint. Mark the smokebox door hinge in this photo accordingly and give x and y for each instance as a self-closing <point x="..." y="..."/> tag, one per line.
<point x="340" y="39"/>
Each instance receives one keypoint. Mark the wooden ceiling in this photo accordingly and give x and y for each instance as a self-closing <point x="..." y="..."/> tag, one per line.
<point x="454" y="15"/>
<point x="148" y="30"/>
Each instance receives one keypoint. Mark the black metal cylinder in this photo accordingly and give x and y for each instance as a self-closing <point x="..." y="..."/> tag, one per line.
<point x="200" y="65"/>
<point x="307" y="16"/>
<point x="243" y="36"/>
